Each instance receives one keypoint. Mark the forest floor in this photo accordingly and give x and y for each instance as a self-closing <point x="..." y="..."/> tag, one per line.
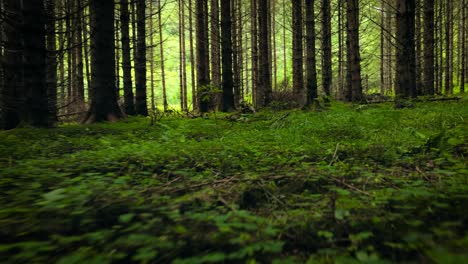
<point x="347" y="184"/>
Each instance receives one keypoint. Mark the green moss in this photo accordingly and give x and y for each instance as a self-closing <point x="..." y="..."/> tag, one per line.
<point x="347" y="184"/>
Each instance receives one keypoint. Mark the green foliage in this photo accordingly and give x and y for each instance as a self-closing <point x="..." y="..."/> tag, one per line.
<point x="341" y="185"/>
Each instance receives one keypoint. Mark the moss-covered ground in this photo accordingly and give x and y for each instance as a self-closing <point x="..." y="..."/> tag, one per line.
<point x="347" y="184"/>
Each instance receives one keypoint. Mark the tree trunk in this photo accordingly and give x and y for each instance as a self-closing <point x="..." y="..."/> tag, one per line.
<point x="449" y="48"/>
<point x="418" y="48"/>
<point x="353" y="54"/>
<point x="151" y="58"/>
<point x="161" y="51"/>
<point x="192" y="58"/>
<point x="11" y="102"/>
<point x="51" y="61"/>
<point x="203" y="73"/>
<point x="36" y="108"/>
<point x="215" y="52"/>
<point x="103" y="95"/>
<point x="326" y="47"/>
<point x="129" y="105"/>
<point x="226" y="57"/>
<point x="79" y="81"/>
<point x="298" y="68"/>
<point x="264" y="82"/>
<point x="406" y="60"/>
<point x="429" y="63"/>
<point x="311" y="74"/>
<point x="463" y="48"/>
<point x="254" y="50"/>
<point x="140" y="61"/>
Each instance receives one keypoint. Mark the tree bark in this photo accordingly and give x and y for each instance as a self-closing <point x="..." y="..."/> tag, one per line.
<point x="353" y="54"/>
<point x="36" y="108"/>
<point x="203" y="73"/>
<point x="51" y="60"/>
<point x="326" y="47"/>
<point x="103" y="95"/>
<point x="12" y="90"/>
<point x="264" y="84"/>
<point x="161" y="51"/>
<point x="406" y="60"/>
<point x="129" y="105"/>
<point x="298" y="68"/>
<point x="226" y="57"/>
<point x="311" y="74"/>
<point x="141" y="106"/>
<point x="429" y="43"/>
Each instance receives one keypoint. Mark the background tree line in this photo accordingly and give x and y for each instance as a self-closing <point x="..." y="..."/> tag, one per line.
<point x="103" y="60"/>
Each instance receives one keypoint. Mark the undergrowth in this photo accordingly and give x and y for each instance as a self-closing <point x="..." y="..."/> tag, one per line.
<point x="339" y="185"/>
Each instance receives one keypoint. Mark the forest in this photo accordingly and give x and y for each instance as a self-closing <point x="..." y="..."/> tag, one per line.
<point x="233" y="131"/>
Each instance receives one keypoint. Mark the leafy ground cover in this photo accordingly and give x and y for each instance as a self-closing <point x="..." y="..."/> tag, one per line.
<point x="365" y="184"/>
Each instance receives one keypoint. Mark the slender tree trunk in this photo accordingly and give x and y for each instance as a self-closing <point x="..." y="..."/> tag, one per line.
<point x="104" y="105"/>
<point x="298" y="68"/>
<point x="463" y="48"/>
<point x="36" y="108"/>
<point x="61" y="55"/>
<point x="161" y="53"/>
<point x="285" y="55"/>
<point x="429" y="63"/>
<point x="203" y="73"/>
<point x="254" y="50"/>
<point x="51" y="60"/>
<point x="192" y="58"/>
<point x="215" y="51"/>
<point x="311" y="82"/>
<point x="354" y="57"/>
<point x="406" y="59"/>
<point x="418" y="47"/>
<point x="140" y="61"/>
<point x="275" y="55"/>
<point x="264" y="92"/>
<point x="340" y="92"/>
<point x="151" y="59"/>
<point x="79" y="81"/>
<point x="326" y="47"/>
<point x="12" y="91"/>
<point x="117" y="57"/>
<point x="235" y="52"/>
<point x="449" y="48"/>
<point x="86" y="49"/>
<point x="226" y="56"/>
<point x="126" y="61"/>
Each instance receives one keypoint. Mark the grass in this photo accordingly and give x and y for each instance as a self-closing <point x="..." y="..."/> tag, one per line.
<point x="344" y="185"/>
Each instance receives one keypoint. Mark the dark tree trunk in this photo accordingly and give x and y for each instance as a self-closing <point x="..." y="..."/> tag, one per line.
<point x="406" y="60"/>
<point x="353" y="53"/>
<point x="141" y="106"/>
<point x="311" y="74"/>
<point x="463" y="48"/>
<point x="298" y="68"/>
<point x="215" y="51"/>
<point x="326" y="47"/>
<point x="103" y="95"/>
<point x="429" y="63"/>
<point x="12" y="89"/>
<point x="418" y="48"/>
<point x="449" y="48"/>
<point x="192" y="57"/>
<point x="203" y="73"/>
<point x="36" y="108"/>
<point x="264" y="77"/>
<point x="126" y="63"/>
<point x="51" y="60"/>
<point x="254" y="50"/>
<point x="226" y="47"/>
<point x="78" y="50"/>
